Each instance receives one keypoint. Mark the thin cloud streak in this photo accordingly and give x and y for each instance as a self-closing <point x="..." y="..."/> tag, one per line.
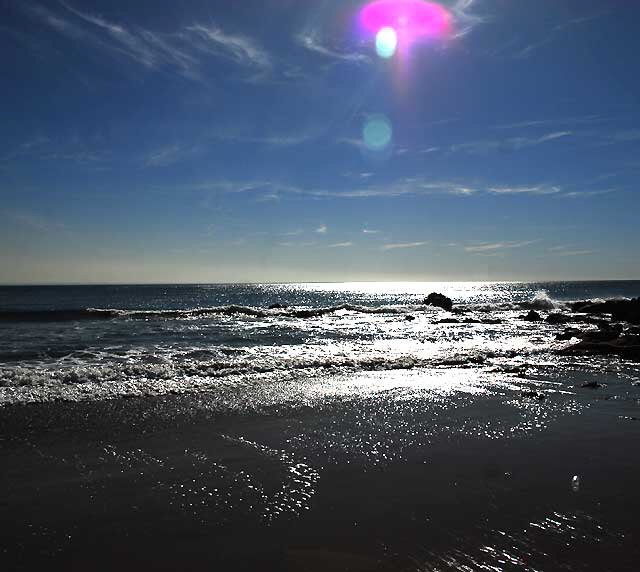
<point x="404" y="188"/>
<point x="340" y="245"/>
<point x="402" y="245"/>
<point x="310" y="40"/>
<point x="494" y="246"/>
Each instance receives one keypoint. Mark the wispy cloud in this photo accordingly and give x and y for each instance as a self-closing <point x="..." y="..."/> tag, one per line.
<point x="494" y="246"/>
<point x="41" y="148"/>
<point x="26" y="148"/>
<point x="32" y="221"/>
<point x="557" y="31"/>
<point x="303" y="244"/>
<point x="510" y="144"/>
<point x="311" y="39"/>
<point x="281" y="140"/>
<point x="627" y="136"/>
<point x="340" y="245"/>
<point x="163" y="157"/>
<point x="581" y="194"/>
<point x="322" y="229"/>
<point x="535" y="190"/>
<point x="370" y="231"/>
<point x="182" y="51"/>
<point x="466" y="17"/>
<point x="556" y="121"/>
<point x="405" y="187"/>
<point x="570" y="250"/>
<point x="402" y="245"/>
<point x="352" y="141"/>
<point x="241" y="49"/>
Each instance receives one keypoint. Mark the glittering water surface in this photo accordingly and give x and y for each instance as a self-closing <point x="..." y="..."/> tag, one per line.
<point x="97" y="342"/>
<point x="352" y="429"/>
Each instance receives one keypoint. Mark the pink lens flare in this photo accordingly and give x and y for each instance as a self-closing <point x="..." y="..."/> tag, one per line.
<point x="411" y="19"/>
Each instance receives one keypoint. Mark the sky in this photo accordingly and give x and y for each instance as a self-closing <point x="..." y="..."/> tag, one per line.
<point x="290" y="140"/>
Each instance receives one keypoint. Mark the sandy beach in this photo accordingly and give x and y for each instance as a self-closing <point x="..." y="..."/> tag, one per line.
<point x="382" y="471"/>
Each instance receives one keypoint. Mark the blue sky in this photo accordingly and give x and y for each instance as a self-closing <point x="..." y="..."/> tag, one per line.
<point x="223" y="141"/>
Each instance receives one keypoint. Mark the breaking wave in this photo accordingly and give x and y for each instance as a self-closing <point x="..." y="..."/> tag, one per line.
<point x="542" y="301"/>
<point x="112" y="314"/>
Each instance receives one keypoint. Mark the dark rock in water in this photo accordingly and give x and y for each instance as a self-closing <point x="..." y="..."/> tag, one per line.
<point x="532" y="316"/>
<point x="278" y="307"/>
<point x="471" y="321"/>
<point x="448" y="321"/>
<point x="558" y="318"/>
<point x="439" y="300"/>
<point x="625" y="346"/>
<point x="620" y="310"/>
<point x="534" y="395"/>
<point x="593" y="385"/>
<point x="492" y="321"/>
<point x="568" y="334"/>
<point x="409" y="318"/>
<point x="602" y="335"/>
<point x="610" y="328"/>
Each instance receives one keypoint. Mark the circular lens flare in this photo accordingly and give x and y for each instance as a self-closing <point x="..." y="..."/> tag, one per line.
<point x="377" y="133"/>
<point x="386" y="42"/>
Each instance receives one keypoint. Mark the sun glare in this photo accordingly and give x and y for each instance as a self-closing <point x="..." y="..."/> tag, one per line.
<point x="386" y="42"/>
<point x="397" y="24"/>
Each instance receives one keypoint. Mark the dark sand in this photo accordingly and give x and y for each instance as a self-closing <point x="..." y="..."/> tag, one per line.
<point x="389" y="479"/>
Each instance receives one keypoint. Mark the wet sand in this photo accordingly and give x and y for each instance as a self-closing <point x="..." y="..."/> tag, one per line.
<point x="446" y="470"/>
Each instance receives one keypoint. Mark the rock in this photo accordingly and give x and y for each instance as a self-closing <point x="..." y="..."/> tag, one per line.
<point x="532" y="316"/>
<point x="620" y="310"/>
<point x="278" y="307"/>
<point x="409" y="318"/>
<point x="568" y="334"/>
<point x="471" y="321"/>
<point x="439" y="300"/>
<point x="603" y="335"/>
<point x="558" y="318"/>
<point x="448" y="321"/>
<point x="492" y="321"/>
<point x="593" y="385"/>
<point x="534" y="395"/>
<point x="625" y="346"/>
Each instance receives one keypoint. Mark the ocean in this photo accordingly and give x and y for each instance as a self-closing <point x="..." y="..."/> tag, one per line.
<point x="314" y="426"/>
<point x="97" y="342"/>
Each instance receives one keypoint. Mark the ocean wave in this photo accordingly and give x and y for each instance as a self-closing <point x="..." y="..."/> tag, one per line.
<point x="540" y="301"/>
<point x="231" y="310"/>
<point x="173" y="370"/>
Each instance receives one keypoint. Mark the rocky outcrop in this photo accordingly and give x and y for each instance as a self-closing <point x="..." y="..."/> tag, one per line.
<point x="568" y="334"/>
<point x="439" y="300"/>
<point x="593" y="385"/>
<point x="620" y="310"/>
<point x="557" y="318"/>
<point x="532" y="316"/>
<point x="278" y="307"/>
<point x="626" y="345"/>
